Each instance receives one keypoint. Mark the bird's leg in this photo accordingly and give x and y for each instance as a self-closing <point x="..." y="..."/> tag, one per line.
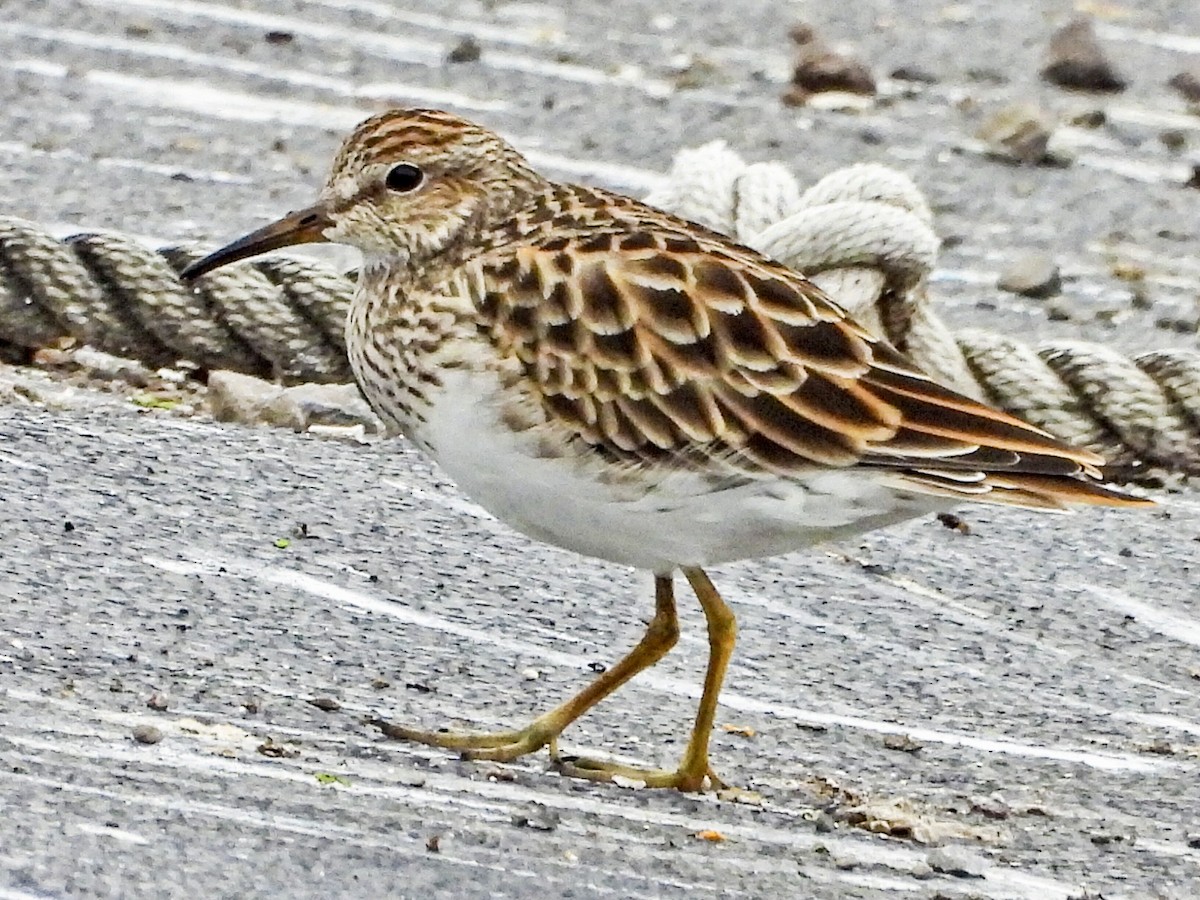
<point x="661" y="635"/>
<point x="693" y="767"/>
<point x="722" y="634"/>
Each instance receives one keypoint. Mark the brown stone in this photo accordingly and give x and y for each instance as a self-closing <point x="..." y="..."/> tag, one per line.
<point x="1076" y="60"/>
<point x="820" y="68"/>
<point x="1187" y="84"/>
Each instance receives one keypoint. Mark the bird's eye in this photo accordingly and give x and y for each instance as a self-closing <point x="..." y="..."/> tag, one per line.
<point x="403" y="178"/>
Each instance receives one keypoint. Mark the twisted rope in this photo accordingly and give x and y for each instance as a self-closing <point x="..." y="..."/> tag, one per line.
<point x="863" y="233"/>
<point x="278" y="318"/>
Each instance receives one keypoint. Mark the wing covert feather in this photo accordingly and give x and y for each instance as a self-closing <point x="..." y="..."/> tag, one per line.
<point x="660" y="345"/>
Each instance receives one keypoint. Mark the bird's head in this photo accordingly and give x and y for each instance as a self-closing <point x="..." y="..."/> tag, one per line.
<point x="406" y="186"/>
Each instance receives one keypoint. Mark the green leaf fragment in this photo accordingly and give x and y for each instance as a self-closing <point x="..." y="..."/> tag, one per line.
<point x="328" y="778"/>
<point x="150" y="401"/>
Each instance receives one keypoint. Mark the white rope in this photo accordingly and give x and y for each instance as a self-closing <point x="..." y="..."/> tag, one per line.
<point x="863" y="233"/>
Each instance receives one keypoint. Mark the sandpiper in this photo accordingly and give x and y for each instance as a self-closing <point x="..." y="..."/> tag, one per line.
<point x="609" y="378"/>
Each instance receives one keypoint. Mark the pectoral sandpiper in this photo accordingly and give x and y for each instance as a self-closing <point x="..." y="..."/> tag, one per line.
<point x="609" y="378"/>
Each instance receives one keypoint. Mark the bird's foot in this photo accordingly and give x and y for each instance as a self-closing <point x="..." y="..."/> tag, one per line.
<point x="498" y="746"/>
<point x="687" y="778"/>
<point x="505" y="746"/>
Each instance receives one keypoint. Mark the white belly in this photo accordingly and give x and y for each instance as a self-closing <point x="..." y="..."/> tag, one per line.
<point x="655" y="519"/>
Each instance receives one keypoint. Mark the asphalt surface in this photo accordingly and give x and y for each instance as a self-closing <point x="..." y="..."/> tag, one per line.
<point x="1025" y="695"/>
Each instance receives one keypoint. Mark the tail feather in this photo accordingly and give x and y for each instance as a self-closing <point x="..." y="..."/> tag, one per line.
<point x="1031" y="491"/>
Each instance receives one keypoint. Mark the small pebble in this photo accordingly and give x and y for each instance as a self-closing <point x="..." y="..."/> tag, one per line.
<point x="921" y="871"/>
<point x="954" y="522"/>
<point x="1076" y="60"/>
<point x="1187" y="84"/>
<point x="1092" y="118"/>
<point x="539" y="818"/>
<point x="991" y="807"/>
<point x="328" y="704"/>
<point x="957" y="861"/>
<point x="273" y="750"/>
<point x="1140" y="298"/>
<point x="740" y="795"/>
<point x="1105" y="838"/>
<point x="819" y="68"/>
<point x="846" y="859"/>
<point x="1057" y="312"/>
<point x="914" y="74"/>
<point x="1174" y="139"/>
<point x="147" y="734"/>
<point x="466" y="50"/>
<point x="824" y="823"/>
<point x="901" y="742"/>
<point x="1019" y="133"/>
<point x="1031" y="275"/>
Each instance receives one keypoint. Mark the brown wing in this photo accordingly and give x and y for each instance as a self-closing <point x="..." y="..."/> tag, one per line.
<point x="667" y="344"/>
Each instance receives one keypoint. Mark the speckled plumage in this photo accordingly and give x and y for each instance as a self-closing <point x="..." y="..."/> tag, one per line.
<point x="618" y="381"/>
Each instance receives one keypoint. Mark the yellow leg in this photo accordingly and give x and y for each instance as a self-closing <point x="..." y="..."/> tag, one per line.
<point x="661" y="635"/>
<point x="693" y="767"/>
<point x="722" y="634"/>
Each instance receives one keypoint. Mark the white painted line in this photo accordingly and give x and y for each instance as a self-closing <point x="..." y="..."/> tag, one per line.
<point x="120" y="835"/>
<point x="548" y="33"/>
<point x="400" y="49"/>
<point x="1177" y="626"/>
<point x="1180" y="43"/>
<point x="255" y="571"/>
<point x="1152" y="118"/>
<point x="12" y="148"/>
<point x="465" y="798"/>
<point x="13" y="894"/>
<point x="200" y="98"/>
<point x="8" y="460"/>
<point x="232" y="106"/>
<point x="1142" y="170"/>
<point x="393" y="91"/>
<point x="488" y="800"/>
<point x="494" y="801"/>
<point x="1162" y="720"/>
<point x="38" y="67"/>
<point x="452" y="502"/>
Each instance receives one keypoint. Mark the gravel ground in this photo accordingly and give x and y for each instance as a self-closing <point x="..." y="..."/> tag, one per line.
<point x="1024" y="696"/>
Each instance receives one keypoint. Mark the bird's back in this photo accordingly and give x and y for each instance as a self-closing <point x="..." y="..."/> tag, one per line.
<point x="660" y="343"/>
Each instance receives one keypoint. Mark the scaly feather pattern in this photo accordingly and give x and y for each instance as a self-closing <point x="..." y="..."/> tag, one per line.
<point x="660" y="342"/>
